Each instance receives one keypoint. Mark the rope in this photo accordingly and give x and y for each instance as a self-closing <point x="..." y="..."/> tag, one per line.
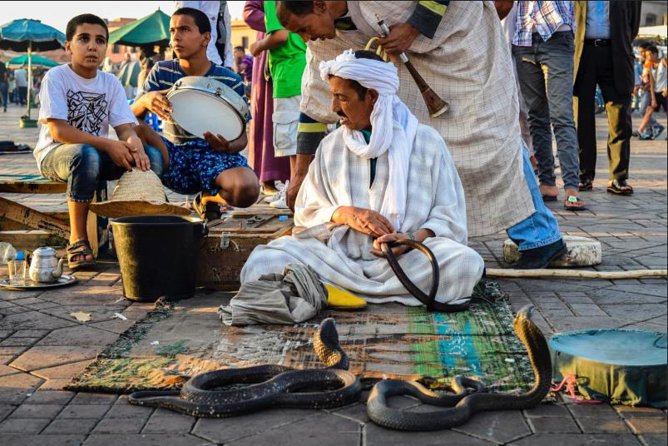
<point x="576" y="274"/>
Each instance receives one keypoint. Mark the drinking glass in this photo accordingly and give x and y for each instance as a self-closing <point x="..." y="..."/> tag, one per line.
<point x="17" y="272"/>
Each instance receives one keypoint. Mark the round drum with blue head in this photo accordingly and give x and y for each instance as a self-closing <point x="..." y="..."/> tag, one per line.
<point x="615" y="365"/>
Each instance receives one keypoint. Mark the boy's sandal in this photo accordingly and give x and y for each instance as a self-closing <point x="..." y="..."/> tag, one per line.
<point x="80" y="249"/>
<point x="209" y="211"/>
<point x="574" y="203"/>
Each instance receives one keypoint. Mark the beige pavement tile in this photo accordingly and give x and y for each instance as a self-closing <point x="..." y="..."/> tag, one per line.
<point x="43" y="357"/>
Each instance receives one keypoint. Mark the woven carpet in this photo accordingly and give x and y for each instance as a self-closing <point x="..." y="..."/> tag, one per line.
<point x="392" y="341"/>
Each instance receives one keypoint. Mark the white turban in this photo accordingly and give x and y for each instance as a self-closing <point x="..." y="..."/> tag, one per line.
<point x="393" y="125"/>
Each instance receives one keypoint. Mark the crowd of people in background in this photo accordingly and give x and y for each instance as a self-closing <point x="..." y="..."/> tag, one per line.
<point x="650" y="90"/>
<point x="14" y="86"/>
<point x="560" y="53"/>
<point x="278" y="56"/>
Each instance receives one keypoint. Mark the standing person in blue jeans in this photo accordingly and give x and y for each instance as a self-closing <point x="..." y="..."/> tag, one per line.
<point x="543" y="47"/>
<point x="211" y="164"/>
<point x="78" y="104"/>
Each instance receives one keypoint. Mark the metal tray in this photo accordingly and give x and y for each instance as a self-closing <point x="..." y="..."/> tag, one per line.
<point x="63" y="280"/>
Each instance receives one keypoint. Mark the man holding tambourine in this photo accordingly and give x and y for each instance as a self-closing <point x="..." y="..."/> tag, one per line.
<point x="204" y="112"/>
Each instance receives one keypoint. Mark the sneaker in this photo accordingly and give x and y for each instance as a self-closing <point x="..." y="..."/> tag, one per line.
<point x="270" y="193"/>
<point x="280" y="199"/>
<point x="646" y="135"/>
<point x="657" y="130"/>
<point x="635" y="134"/>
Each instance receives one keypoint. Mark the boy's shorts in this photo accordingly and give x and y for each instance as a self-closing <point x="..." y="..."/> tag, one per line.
<point x="194" y="168"/>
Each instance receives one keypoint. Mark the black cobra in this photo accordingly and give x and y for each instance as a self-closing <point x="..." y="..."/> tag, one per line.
<point x="469" y="395"/>
<point x="429" y="300"/>
<point x="251" y="389"/>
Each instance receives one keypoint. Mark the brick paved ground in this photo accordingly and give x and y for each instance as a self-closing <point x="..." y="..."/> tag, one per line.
<point x="42" y="347"/>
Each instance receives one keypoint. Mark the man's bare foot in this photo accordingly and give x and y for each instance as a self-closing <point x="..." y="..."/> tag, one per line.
<point x="549" y="193"/>
<point x="573" y="201"/>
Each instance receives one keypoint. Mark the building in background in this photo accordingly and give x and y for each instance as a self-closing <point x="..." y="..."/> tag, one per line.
<point x="653" y="13"/>
<point x="242" y="34"/>
<point x="116" y="52"/>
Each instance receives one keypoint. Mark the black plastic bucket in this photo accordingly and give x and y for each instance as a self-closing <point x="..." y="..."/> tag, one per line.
<point x="158" y="255"/>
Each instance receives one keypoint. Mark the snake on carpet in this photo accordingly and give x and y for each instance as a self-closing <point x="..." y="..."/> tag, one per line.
<point x="469" y="396"/>
<point x="230" y="392"/>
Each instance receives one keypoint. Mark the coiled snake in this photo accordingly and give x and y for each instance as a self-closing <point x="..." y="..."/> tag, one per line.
<point x="265" y="386"/>
<point x="469" y="395"/>
<point x="271" y="386"/>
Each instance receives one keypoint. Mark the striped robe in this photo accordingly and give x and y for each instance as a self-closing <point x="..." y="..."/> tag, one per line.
<point x="340" y="255"/>
<point x="468" y="64"/>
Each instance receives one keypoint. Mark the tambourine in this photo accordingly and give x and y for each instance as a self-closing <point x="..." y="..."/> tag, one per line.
<point x="201" y="104"/>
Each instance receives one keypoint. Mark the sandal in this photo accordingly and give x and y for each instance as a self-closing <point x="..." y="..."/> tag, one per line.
<point x="548" y="196"/>
<point x="82" y="250"/>
<point x="209" y="211"/>
<point x="586" y="184"/>
<point x="574" y="203"/>
<point x="620" y="187"/>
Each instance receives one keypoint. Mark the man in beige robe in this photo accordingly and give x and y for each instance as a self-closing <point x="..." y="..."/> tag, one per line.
<point x="465" y="60"/>
<point x="380" y="177"/>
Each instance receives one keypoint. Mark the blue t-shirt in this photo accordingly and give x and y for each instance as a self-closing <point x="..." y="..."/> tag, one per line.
<point x="164" y="74"/>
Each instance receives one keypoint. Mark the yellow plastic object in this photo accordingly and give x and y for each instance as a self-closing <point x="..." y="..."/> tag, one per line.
<point x="343" y="300"/>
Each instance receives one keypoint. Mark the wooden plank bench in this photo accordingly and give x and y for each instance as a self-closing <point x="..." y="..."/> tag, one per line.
<point x="32" y="218"/>
<point x="24" y="215"/>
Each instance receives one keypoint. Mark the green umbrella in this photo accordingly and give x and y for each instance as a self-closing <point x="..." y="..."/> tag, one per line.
<point x="129" y="73"/>
<point x="150" y="30"/>
<point x="30" y="35"/>
<point x="37" y="61"/>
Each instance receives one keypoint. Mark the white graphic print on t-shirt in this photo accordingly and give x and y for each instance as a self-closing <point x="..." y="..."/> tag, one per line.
<point x="86" y="111"/>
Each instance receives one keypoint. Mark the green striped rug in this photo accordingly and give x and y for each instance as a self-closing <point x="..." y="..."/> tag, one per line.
<point x="389" y="340"/>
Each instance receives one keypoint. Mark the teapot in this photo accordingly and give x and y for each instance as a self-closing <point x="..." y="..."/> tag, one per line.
<point x="44" y="266"/>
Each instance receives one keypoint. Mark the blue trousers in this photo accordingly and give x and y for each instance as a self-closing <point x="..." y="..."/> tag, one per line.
<point x="540" y="228"/>
<point x="82" y="166"/>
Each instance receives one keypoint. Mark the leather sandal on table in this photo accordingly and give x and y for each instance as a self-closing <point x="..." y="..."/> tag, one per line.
<point x="81" y="250"/>
<point x="574" y="203"/>
<point x="619" y="187"/>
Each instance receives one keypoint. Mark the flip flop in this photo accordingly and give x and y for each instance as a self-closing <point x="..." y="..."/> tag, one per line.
<point x="574" y="203"/>
<point x="548" y="196"/>
<point x="208" y="211"/>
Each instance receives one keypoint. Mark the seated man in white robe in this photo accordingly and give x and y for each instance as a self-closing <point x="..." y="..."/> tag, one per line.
<point x="380" y="177"/>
